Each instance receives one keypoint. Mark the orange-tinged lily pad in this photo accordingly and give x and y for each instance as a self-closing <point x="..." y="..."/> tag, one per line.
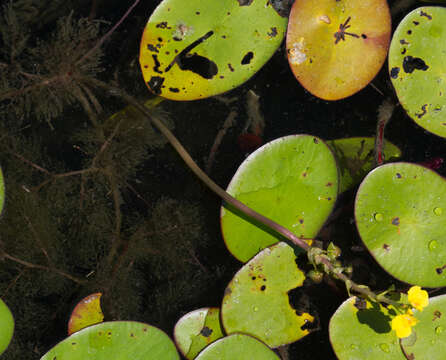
<point x="87" y="312"/>
<point x="335" y="48"/>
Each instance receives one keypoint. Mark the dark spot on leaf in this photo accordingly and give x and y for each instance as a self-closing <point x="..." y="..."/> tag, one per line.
<point x="146" y="66"/>
<point x="409" y="32"/>
<point x="244" y="2"/>
<point x="422" y="113"/>
<point x="308" y="325"/>
<point x="437" y="315"/>
<point x="273" y="32"/>
<point x="253" y="278"/>
<point x="301" y="221"/>
<point x="264" y="279"/>
<point x="360" y="303"/>
<point x="386" y="247"/>
<point x="316" y="141"/>
<point x="396" y="221"/>
<point x="404" y="42"/>
<point x="422" y="13"/>
<point x="247" y="58"/>
<point x="329" y="198"/>
<point x="394" y="72"/>
<point x="150" y="47"/>
<point x="411" y="63"/>
<point x="100" y="333"/>
<point x="223" y="36"/>
<point x="364" y="36"/>
<point x="155" y="83"/>
<point x="206" y="332"/>
<point x="403" y="51"/>
<point x="230" y="68"/>
<point x="304" y="174"/>
<point x="197" y="12"/>
<point x="262" y="288"/>
<point x="440" y="269"/>
<point x="174" y="90"/>
<point x="416" y="23"/>
<point x="160" y="39"/>
<point x="132" y="335"/>
<point x="156" y="68"/>
<point x="144" y="329"/>
<point x="193" y="62"/>
<point x="329" y="184"/>
<point x="221" y="77"/>
<point x="73" y="343"/>
<point x="163" y="25"/>
<point x="398" y="175"/>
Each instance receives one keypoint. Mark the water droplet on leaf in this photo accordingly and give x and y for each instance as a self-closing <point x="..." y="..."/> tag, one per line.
<point x="378" y="217"/>
<point x="384" y="347"/>
<point x="438" y="211"/>
<point x="438" y="330"/>
<point x="433" y="245"/>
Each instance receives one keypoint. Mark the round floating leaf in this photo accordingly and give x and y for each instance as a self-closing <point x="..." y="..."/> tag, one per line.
<point x="2" y="191"/>
<point x="335" y="48"/>
<point x="237" y="347"/>
<point x="400" y="216"/>
<point x="123" y="340"/>
<point x="200" y="49"/>
<point x="355" y="158"/>
<point x="292" y="180"/>
<point x="87" y="312"/>
<point x="6" y="326"/>
<point x="256" y="300"/>
<point x="196" y="330"/>
<point x="359" y="330"/>
<point x="416" y="65"/>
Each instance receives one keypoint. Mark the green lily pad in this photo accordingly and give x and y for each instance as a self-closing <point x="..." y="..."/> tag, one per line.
<point x="256" y="300"/>
<point x="6" y="326"/>
<point x="355" y="158"/>
<point x="335" y="48"/>
<point x="2" y="191"/>
<point x="123" y="340"/>
<point x="196" y="330"/>
<point x="366" y="333"/>
<point x="237" y="347"/>
<point x="205" y="48"/>
<point x="292" y="180"/>
<point x="400" y="217"/>
<point x="416" y="65"/>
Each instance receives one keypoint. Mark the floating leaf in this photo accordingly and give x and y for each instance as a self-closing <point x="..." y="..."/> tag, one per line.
<point x="355" y="158"/>
<point x="87" y="312"/>
<point x="196" y="330"/>
<point x="359" y="330"/>
<point x="6" y="326"/>
<point x="335" y="48"/>
<point x="123" y="340"/>
<point x="256" y="300"/>
<point x="205" y="48"/>
<point x="292" y="180"/>
<point x="416" y="65"/>
<point x="237" y="347"/>
<point x="400" y="216"/>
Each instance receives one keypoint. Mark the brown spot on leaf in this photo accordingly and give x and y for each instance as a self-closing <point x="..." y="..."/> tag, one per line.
<point x="329" y="184"/>
<point x="437" y="315"/>
<point x="386" y="247"/>
<point x="396" y="221"/>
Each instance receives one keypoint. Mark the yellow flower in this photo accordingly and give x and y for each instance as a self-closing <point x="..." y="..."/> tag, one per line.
<point x="402" y="324"/>
<point x="418" y="298"/>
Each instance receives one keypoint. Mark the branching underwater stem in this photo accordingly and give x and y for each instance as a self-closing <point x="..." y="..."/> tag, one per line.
<point x="363" y="290"/>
